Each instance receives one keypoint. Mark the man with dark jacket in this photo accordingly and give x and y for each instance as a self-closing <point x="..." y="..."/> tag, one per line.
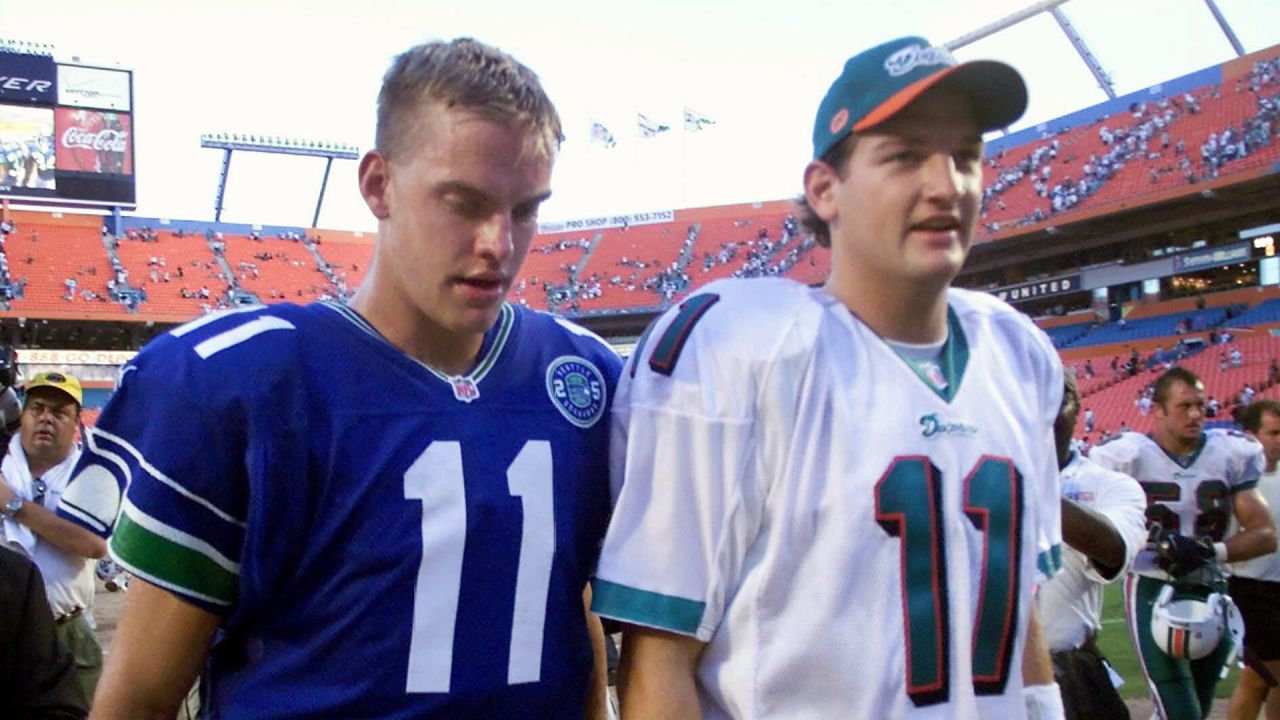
<point x="37" y="675"/>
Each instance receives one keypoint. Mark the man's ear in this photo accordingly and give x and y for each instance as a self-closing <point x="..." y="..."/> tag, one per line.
<point x="821" y="181"/>
<point x="375" y="177"/>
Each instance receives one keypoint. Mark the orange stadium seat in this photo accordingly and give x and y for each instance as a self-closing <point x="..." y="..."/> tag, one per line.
<point x="47" y="255"/>
<point x="287" y="274"/>
<point x="191" y="253"/>
<point x="349" y="259"/>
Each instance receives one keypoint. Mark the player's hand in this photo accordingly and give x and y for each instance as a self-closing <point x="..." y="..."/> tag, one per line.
<point x="1179" y="554"/>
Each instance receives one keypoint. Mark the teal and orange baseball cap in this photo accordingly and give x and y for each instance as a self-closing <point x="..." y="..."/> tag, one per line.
<point x="878" y="83"/>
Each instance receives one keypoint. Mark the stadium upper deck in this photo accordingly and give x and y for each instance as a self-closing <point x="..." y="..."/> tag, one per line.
<point x="1207" y="132"/>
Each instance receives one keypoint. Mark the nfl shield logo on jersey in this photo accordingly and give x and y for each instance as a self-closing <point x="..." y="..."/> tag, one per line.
<point x="464" y="389"/>
<point x="577" y="389"/>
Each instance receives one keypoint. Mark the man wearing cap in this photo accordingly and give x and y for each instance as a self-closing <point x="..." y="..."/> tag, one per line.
<point x="36" y="470"/>
<point x="835" y="501"/>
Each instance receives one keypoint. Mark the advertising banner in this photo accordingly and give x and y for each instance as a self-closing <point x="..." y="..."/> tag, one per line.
<point x="1213" y="257"/>
<point x="26" y="148"/>
<point x="605" y="222"/>
<point x="27" y="78"/>
<point x="91" y="87"/>
<point x="74" y="357"/>
<point x="1038" y="289"/>
<point x="91" y="141"/>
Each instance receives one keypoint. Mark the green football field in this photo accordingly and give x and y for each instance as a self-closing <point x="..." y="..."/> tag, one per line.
<point x="1114" y="643"/>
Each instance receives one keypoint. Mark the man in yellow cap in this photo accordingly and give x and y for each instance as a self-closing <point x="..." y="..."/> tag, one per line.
<point x="36" y="469"/>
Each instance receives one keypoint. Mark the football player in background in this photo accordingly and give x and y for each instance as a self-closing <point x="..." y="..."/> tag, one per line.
<point x="1255" y="584"/>
<point x="388" y="509"/>
<point x="1195" y="481"/>
<point x="834" y="501"/>
<point x="1104" y="528"/>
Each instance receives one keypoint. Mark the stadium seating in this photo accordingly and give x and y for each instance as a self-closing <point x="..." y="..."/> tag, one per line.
<point x="286" y="270"/>
<point x="1148" y="168"/>
<point x="191" y="253"/>
<point x="1148" y="328"/>
<point x="350" y="259"/>
<point x="1065" y="335"/>
<point x="46" y="255"/>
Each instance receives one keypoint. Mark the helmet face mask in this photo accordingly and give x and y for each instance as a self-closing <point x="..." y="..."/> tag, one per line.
<point x="1190" y="628"/>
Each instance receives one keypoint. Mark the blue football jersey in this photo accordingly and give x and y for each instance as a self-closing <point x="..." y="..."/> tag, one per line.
<point x="380" y="539"/>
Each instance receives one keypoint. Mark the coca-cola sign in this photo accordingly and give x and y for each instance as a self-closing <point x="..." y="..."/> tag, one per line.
<point x="103" y="140"/>
<point x="93" y="141"/>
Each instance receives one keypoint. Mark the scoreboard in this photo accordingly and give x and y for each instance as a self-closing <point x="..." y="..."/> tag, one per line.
<point x="66" y="133"/>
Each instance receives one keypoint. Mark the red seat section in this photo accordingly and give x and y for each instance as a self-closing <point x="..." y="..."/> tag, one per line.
<point x="276" y="270"/>
<point x="46" y="256"/>
<point x="190" y="266"/>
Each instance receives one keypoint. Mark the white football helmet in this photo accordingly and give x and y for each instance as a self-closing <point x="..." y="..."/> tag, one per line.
<point x="1192" y="628"/>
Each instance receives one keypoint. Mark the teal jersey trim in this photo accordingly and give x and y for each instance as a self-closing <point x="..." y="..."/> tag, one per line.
<point x="1049" y="562"/>
<point x="952" y="361"/>
<point x="1243" y="486"/>
<point x="642" y="607"/>
<point x="1184" y="461"/>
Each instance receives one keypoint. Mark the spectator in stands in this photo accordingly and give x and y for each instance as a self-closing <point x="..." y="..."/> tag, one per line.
<point x="1212" y="407"/>
<point x="1237" y="358"/>
<point x="1144" y="404"/>
<point x="1088" y="369"/>
<point x="1246" y="394"/>
<point x="1273" y="372"/>
<point x="1090" y="420"/>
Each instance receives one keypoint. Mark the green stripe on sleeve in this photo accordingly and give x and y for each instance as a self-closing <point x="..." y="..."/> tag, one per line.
<point x="177" y="565"/>
<point x="665" y="612"/>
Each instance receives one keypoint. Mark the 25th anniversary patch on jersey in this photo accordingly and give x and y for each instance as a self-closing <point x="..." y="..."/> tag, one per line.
<point x="577" y="389"/>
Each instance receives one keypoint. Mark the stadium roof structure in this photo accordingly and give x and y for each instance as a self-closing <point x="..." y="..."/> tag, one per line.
<point x="230" y="142"/>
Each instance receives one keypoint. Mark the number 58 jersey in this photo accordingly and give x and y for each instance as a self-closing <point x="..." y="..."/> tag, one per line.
<point x="1189" y="495"/>
<point x="851" y="534"/>
<point x="380" y="540"/>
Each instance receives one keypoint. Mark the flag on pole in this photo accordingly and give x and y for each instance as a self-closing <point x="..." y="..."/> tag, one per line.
<point x="600" y="134"/>
<point x="648" y="128"/>
<point x="695" y="121"/>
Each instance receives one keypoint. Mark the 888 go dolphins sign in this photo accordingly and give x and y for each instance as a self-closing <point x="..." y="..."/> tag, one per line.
<point x="577" y="389"/>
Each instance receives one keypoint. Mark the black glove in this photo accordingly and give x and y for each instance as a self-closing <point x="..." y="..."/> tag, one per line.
<point x="1179" y="554"/>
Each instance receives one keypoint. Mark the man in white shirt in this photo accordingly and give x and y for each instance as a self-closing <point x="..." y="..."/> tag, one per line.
<point x="1255" y="584"/>
<point x="835" y="501"/>
<point x="1104" y="528"/>
<point x="36" y="470"/>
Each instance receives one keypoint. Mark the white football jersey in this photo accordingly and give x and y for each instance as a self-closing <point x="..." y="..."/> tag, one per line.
<point x="1071" y="603"/>
<point x="848" y="539"/>
<point x="1190" y="495"/>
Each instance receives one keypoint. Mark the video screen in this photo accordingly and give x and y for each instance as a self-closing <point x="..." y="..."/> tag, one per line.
<point x="27" y="153"/>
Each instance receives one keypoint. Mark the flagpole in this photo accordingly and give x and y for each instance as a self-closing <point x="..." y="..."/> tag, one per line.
<point x="684" y="161"/>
